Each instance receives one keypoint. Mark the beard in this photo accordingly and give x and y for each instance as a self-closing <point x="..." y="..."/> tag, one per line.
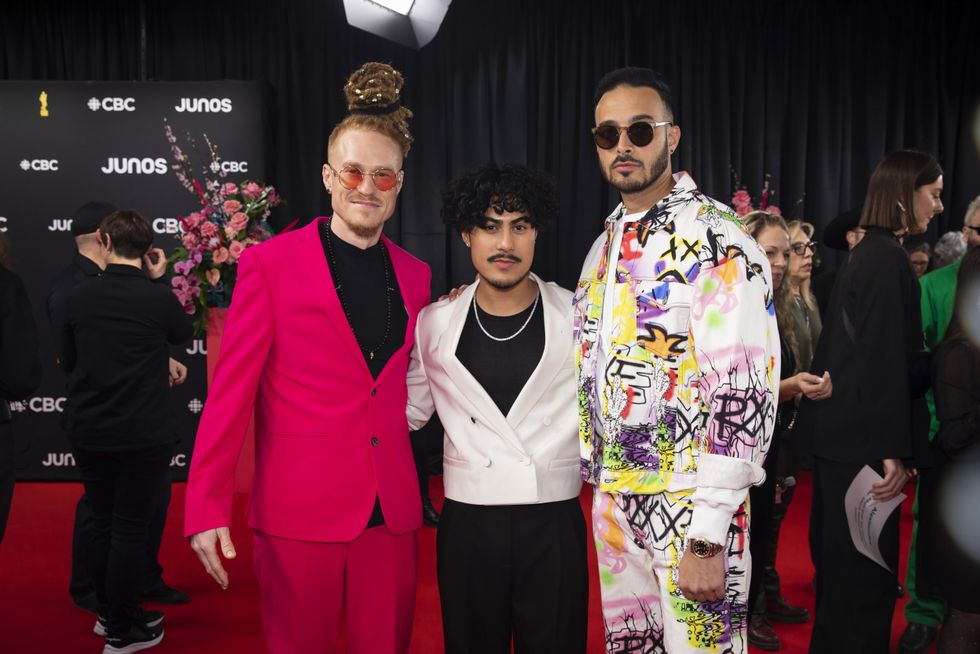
<point x="505" y="284"/>
<point x="637" y="181"/>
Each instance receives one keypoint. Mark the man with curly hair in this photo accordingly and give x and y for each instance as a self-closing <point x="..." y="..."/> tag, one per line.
<point x="676" y="348"/>
<point x="497" y="364"/>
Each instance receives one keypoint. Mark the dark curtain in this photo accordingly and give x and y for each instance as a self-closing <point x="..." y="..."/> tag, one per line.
<point x="811" y="93"/>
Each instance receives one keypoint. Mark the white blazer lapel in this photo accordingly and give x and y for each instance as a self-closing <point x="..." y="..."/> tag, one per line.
<point x="558" y="352"/>
<point x="471" y="393"/>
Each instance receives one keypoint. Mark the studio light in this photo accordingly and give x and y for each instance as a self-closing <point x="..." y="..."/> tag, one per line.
<point x="412" y="23"/>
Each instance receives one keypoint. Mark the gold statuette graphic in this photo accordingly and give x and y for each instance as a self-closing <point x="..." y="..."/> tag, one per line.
<point x="43" y="98"/>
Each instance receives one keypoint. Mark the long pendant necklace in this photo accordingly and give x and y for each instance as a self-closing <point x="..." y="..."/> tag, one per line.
<point x="369" y="352"/>
<point x="476" y="314"/>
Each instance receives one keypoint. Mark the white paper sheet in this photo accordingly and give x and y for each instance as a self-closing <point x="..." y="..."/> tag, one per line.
<point x="866" y="516"/>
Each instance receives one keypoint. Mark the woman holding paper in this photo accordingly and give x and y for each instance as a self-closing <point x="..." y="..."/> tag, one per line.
<point x="870" y="345"/>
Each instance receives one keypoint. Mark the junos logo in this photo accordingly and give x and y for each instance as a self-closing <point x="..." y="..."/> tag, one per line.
<point x="166" y="226"/>
<point x="195" y="406"/>
<point x="60" y="225"/>
<point x="135" y="166"/>
<point x="198" y="346"/>
<point x="59" y="460"/>
<point x="112" y="104"/>
<point x="204" y="105"/>
<point x="179" y="461"/>
<point x="3" y="224"/>
<point x="229" y="167"/>
<point x="39" y="165"/>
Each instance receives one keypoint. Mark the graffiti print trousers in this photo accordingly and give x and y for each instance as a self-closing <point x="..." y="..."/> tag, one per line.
<point x="639" y="541"/>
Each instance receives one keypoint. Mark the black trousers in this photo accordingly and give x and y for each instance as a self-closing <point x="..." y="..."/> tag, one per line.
<point x="855" y="595"/>
<point x="124" y="489"/>
<point x="6" y="474"/>
<point x="83" y="534"/>
<point x="513" y="572"/>
<point x="762" y="504"/>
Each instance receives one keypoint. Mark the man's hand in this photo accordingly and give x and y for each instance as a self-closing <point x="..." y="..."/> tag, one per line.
<point x="203" y="545"/>
<point x="454" y="293"/>
<point x="178" y="372"/>
<point x="156" y="263"/>
<point x="816" y="388"/>
<point x="702" y="580"/>
<point x="892" y="484"/>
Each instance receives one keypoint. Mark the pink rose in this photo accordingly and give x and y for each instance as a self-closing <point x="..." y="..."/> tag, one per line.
<point x="229" y="189"/>
<point x="230" y="232"/>
<point x="238" y="221"/>
<point x="220" y="255"/>
<point x="214" y="276"/>
<point x="231" y="206"/>
<point x="252" y="190"/>
<point x="741" y="198"/>
<point x="235" y="250"/>
<point x="192" y="221"/>
<point x="209" y="229"/>
<point x="773" y="209"/>
<point x="742" y="210"/>
<point x="272" y="198"/>
<point x="189" y="240"/>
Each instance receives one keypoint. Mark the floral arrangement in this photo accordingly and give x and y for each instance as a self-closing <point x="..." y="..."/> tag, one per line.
<point x="742" y="201"/>
<point x="232" y="218"/>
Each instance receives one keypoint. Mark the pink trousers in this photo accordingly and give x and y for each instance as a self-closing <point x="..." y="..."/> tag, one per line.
<point x="310" y="589"/>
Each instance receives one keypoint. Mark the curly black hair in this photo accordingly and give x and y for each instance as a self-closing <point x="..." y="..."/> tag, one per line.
<point x="504" y="188"/>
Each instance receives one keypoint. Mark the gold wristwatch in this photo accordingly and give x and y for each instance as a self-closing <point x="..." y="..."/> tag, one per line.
<point x="702" y="548"/>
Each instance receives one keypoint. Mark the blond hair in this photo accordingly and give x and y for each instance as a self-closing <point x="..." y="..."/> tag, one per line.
<point x="373" y="94"/>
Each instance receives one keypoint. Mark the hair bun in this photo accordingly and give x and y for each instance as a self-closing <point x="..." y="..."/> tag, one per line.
<point x="373" y="85"/>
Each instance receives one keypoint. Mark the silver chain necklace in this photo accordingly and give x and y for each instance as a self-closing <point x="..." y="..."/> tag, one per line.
<point x="476" y="314"/>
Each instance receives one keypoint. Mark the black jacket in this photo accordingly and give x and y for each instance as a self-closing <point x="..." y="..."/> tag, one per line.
<point x="114" y="349"/>
<point x="20" y="368"/>
<point x="872" y="345"/>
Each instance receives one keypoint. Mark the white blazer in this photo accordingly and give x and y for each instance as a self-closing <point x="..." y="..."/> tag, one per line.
<point x="529" y="456"/>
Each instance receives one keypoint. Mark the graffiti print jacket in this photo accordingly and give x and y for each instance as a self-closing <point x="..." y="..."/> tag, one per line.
<point x="677" y="355"/>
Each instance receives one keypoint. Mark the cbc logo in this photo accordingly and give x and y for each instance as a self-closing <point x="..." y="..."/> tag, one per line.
<point x="135" y="166"/>
<point x="229" y="167"/>
<point x="179" y="461"/>
<point x="39" y="165"/>
<point x="204" y="105"/>
<point x="112" y="104"/>
<point x="195" y="406"/>
<point x="166" y="226"/>
<point x="40" y="405"/>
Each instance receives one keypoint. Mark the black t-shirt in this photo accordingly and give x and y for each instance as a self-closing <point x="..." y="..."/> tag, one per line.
<point x="502" y="367"/>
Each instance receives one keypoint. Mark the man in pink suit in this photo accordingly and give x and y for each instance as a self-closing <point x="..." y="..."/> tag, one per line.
<point x="317" y="340"/>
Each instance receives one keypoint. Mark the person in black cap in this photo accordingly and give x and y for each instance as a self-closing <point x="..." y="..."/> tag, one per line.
<point x="842" y="233"/>
<point x="89" y="261"/>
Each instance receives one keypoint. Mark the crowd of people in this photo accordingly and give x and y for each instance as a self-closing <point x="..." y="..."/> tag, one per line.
<point x="692" y="374"/>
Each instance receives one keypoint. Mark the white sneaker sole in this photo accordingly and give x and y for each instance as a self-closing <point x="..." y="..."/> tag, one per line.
<point x="133" y="647"/>
<point x="100" y="631"/>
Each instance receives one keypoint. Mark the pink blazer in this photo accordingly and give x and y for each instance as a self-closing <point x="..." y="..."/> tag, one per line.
<point x="288" y="353"/>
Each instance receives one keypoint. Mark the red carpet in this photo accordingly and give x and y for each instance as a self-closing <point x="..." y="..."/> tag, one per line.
<point x="38" y="615"/>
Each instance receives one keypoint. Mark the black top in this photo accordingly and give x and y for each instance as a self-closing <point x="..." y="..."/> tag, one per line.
<point x="502" y="367"/>
<point x="62" y="285"/>
<point x="20" y="369"/>
<point x="786" y="411"/>
<point x="956" y="383"/>
<point x="870" y="344"/>
<point x="114" y="349"/>
<point x="361" y="277"/>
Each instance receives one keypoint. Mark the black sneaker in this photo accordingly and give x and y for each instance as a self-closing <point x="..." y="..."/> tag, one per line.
<point x="148" y="618"/>
<point x="138" y="639"/>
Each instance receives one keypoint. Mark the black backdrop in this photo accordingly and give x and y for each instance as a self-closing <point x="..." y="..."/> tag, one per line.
<point x="813" y="93"/>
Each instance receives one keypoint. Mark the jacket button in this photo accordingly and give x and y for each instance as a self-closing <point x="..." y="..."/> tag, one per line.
<point x="546" y="420"/>
<point x="374" y="392"/>
<point x="486" y="463"/>
<point x="374" y="441"/>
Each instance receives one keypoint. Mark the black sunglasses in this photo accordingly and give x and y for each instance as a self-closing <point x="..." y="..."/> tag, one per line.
<point x="800" y="248"/>
<point x="639" y="134"/>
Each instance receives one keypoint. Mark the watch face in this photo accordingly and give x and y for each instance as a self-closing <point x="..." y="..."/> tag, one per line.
<point x="700" y="548"/>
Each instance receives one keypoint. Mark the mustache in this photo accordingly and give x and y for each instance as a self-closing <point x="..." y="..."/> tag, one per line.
<point x="364" y="198"/>
<point x="625" y="158"/>
<point x="504" y="257"/>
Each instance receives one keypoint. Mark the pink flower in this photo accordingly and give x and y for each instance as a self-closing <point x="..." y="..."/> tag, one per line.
<point x="189" y="308"/>
<point x="235" y="250"/>
<point x="183" y="267"/>
<point x="214" y="276"/>
<point x="773" y="209"/>
<point x="179" y="283"/>
<point x="220" y="255"/>
<point x="189" y="240"/>
<point x="230" y="232"/>
<point x="231" y="206"/>
<point x="192" y="221"/>
<point x="238" y="221"/>
<point x="209" y="229"/>
<point x="741" y="198"/>
<point x="252" y="190"/>
<point x="229" y="189"/>
<point x="742" y="210"/>
<point x="272" y="198"/>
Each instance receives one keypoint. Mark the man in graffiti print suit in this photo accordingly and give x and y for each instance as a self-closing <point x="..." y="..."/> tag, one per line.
<point x="676" y="348"/>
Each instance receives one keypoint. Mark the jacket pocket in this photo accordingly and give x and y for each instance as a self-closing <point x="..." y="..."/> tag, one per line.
<point x="558" y="464"/>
